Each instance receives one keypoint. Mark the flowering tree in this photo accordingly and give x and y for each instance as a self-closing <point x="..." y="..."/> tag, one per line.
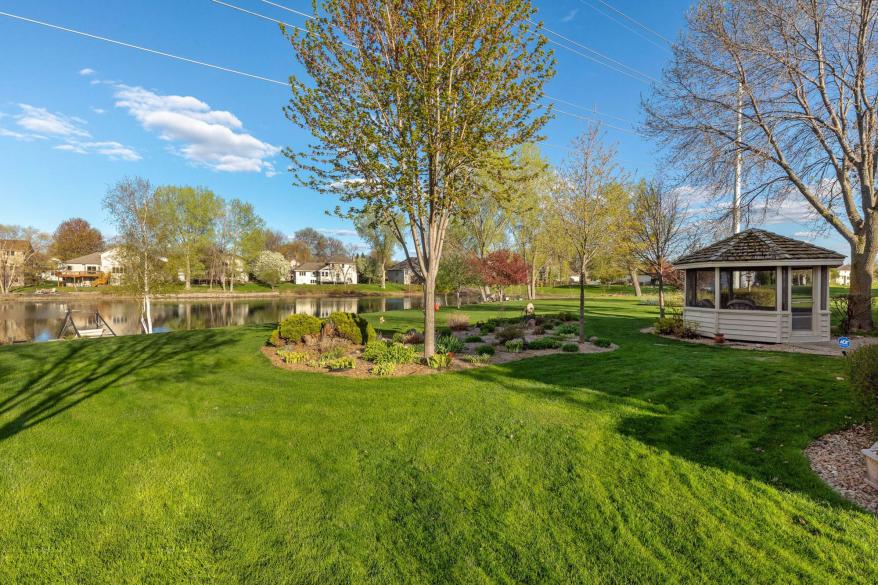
<point x="501" y="269"/>
<point x="271" y="268"/>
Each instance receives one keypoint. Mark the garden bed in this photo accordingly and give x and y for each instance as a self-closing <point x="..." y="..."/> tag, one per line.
<point x="494" y="342"/>
<point x="827" y="348"/>
<point x="838" y="459"/>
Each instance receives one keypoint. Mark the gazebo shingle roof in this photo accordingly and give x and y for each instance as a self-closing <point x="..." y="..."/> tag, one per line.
<point x="757" y="245"/>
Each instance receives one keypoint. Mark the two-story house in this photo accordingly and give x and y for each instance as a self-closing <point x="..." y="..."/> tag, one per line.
<point x="328" y="271"/>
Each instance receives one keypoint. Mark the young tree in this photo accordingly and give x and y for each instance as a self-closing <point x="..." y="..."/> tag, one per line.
<point x="482" y="227"/>
<point x="455" y="273"/>
<point x="190" y="215"/>
<point x="407" y="100"/>
<point x="793" y="88"/>
<point x="656" y="231"/>
<point x="142" y="238"/>
<point x="75" y="237"/>
<point x="271" y="268"/>
<point x="586" y="206"/>
<point x="379" y="234"/>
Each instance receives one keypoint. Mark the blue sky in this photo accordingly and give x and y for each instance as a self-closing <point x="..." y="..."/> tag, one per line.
<point x="77" y="114"/>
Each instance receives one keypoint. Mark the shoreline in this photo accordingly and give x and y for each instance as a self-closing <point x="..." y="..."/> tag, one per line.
<point x="203" y="296"/>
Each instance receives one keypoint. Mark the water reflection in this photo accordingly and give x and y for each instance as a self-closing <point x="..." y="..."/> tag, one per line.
<point x="42" y="320"/>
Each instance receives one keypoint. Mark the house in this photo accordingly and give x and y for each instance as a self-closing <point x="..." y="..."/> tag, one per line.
<point x="95" y="269"/>
<point x="328" y="271"/>
<point x="14" y="254"/>
<point x="759" y="286"/>
<point x="844" y="275"/>
<point x="403" y="272"/>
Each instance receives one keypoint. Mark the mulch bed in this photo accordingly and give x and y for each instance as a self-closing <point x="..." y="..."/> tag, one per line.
<point x="837" y="459"/>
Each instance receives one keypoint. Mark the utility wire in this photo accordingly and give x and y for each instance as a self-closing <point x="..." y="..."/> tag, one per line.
<point x="140" y="48"/>
<point x="612" y="63"/>
<point x="305" y="14"/>
<point x="601" y="122"/>
<point x="635" y="21"/>
<point x="662" y="46"/>
<point x="589" y="110"/>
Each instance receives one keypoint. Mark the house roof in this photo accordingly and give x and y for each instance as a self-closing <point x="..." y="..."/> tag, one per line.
<point x="404" y="265"/>
<point x="93" y="258"/>
<point x="309" y="266"/>
<point x="756" y="245"/>
<point x="15" y="245"/>
<point x="845" y="267"/>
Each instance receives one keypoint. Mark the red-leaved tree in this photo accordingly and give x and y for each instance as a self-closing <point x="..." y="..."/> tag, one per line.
<point x="500" y="269"/>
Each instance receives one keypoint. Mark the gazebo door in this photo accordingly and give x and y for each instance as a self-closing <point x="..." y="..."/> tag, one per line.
<point x="802" y="298"/>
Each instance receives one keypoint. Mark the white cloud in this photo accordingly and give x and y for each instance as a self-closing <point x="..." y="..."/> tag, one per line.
<point x="40" y="124"/>
<point x="87" y="71"/>
<point x="570" y="15"/>
<point x="41" y="121"/>
<point x="111" y="149"/>
<point x="214" y="138"/>
<point x="98" y="110"/>
<point x="338" y="232"/>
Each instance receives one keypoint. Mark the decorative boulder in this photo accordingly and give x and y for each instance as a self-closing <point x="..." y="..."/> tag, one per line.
<point x="871" y="456"/>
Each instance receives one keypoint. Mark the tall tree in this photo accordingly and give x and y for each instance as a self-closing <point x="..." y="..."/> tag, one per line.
<point x="75" y="237"/>
<point x="526" y="210"/>
<point x="586" y="206"/>
<point x="242" y="237"/>
<point x="792" y="86"/>
<point x="406" y="97"/>
<point x="657" y="230"/>
<point x="319" y="245"/>
<point x="275" y="240"/>
<point x="378" y="232"/>
<point x="483" y="225"/>
<point x="190" y="215"/>
<point x="140" y="224"/>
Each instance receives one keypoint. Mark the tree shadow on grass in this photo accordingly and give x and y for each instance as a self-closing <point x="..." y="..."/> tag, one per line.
<point x="82" y="369"/>
<point x="750" y="413"/>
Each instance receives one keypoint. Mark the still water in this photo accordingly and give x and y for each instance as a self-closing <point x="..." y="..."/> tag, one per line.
<point x="42" y="320"/>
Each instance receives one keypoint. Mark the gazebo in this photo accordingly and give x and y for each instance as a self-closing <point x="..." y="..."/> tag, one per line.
<point x="759" y="286"/>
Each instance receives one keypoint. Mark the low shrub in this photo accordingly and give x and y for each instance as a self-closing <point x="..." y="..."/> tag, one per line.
<point x="514" y="345"/>
<point x="602" y="342"/>
<point x="478" y="358"/>
<point x="398" y="354"/>
<point x="544" y="343"/>
<point x="352" y="327"/>
<point x="862" y="366"/>
<point x="509" y="332"/>
<point x="438" y="361"/>
<point x="343" y="363"/>
<point x="570" y="347"/>
<point x="443" y="331"/>
<point x="398" y="337"/>
<point x="332" y="353"/>
<point x="539" y="330"/>
<point x="485" y="350"/>
<point x="293" y="357"/>
<point x="297" y="326"/>
<point x="567" y="329"/>
<point x="374" y="351"/>
<point x="383" y="369"/>
<point x="487" y="327"/>
<point x="413" y="336"/>
<point x="664" y="326"/>
<point x="473" y="339"/>
<point x="458" y="321"/>
<point x="565" y="316"/>
<point x="449" y="343"/>
<point x="275" y="339"/>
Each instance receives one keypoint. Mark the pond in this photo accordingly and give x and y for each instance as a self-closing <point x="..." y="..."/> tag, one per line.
<point x="41" y="320"/>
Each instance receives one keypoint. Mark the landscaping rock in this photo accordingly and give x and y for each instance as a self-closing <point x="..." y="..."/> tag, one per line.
<point x="838" y="459"/>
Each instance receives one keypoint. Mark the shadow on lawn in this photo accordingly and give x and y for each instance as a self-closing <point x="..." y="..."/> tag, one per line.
<point x="85" y="368"/>
<point x="738" y="411"/>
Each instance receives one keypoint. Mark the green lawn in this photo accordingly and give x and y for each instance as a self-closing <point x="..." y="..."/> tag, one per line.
<point x="186" y="457"/>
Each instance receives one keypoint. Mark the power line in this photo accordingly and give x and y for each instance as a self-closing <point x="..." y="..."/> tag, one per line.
<point x="601" y="122"/>
<point x="140" y="48"/>
<point x="635" y="21"/>
<point x="590" y="110"/>
<point x="634" y="73"/>
<point x="305" y="14"/>
<point x="661" y="46"/>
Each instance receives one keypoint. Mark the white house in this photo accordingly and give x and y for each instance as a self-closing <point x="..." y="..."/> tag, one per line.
<point x="329" y="271"/>
<point x="96" y="269"/>
<point x="844" y="275"/>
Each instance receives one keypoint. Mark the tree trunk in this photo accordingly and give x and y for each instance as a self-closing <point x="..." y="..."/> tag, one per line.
<point x="635" y="280"/>
<point x="147" y="304"/>
<point x="862" y="265"/>
<point x="532" y="283"/>
<point x="458" y="297"/>
<point x="383" y="277"/>
<point x="582" y="303"/>
<point x="661" y="300"/>
<point x="483" y="291"/>
<point x="188" y="273"/>
<point x="429" y="313"/>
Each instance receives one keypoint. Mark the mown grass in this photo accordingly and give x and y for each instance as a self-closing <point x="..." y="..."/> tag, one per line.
<point x="186" y="457"/>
